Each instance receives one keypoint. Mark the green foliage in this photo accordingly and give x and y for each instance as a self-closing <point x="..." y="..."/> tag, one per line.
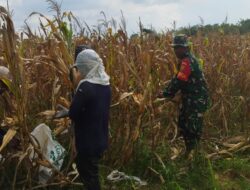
<point x="177" y="174"/>
<point x="196" y="174"/>
<point x="234" y="173"/>
<point x="242" y="27"/>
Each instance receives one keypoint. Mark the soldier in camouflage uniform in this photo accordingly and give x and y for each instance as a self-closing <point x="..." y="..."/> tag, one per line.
<point x="190" y="81"/>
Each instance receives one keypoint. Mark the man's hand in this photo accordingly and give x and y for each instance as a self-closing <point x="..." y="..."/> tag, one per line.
<point x="160" y="97"/>
<point x="160" y="94"/>
<point x="166" y="83"/>
<point x="177" y="98"/>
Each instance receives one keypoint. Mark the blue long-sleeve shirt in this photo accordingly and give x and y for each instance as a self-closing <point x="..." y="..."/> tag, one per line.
<point x="89" y="111"/>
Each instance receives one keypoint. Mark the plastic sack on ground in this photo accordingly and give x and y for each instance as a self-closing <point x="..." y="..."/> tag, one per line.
<point x="51" y="150"/>
<point x="116" y="176"/>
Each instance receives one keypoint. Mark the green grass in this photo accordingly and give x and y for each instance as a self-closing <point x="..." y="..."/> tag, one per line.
<point x="179" y="174"/>
<point x="234" y="173"/>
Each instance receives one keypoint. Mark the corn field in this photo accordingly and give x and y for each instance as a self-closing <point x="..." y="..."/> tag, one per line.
<point x="139" y="67"/>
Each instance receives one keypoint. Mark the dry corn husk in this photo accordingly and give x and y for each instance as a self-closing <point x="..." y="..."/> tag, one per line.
<point x="7" y="138"/>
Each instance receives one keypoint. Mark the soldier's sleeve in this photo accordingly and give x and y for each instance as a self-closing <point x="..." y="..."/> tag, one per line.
<point x="179" y="80"/>
<point x="185" y="70"/>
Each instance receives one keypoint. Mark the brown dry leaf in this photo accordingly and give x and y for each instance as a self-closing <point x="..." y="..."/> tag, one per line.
<point x="65" y="53"/>
<point x="64" y="102"/>
<point x="157" y="126"/>
<point x="175" y="131"/>
<point x="157" y="100"/>
<point x="122" y="97"/>
<point x="138" y="98"/>
<point x="116" y="104"/>
<point x="237" y="146"/>
<point x="224" y="117"/>
<point x="57" y="89"/>
<point x="225" y="152"/>
<point x="160" y="160"/>
<point x="127" y="153"/>
<point x="48" y="114"/>
<point x="242" y="99"/>
<point x="50" y="23"/>
<point x="220" y="153"/>
<point x="236" y="139"/>
<point x="176" y="153"/>
<point x="157" y="173"/>
<point x="125" y="95"/>
<point x="244" y="148"/>
<point x="248" y="76"/>
<point x="228" y="145"/>
<point x="219" y="91"/>
<point x="62" y="122"/>
<point x="10" y="121"/>
<point x="59" y="130"/>
<point x="135" y="134"/>
<point x="33" y="85"/>
<point x="62" y="65"/>
<point x="44" y="163"/>
<point x="7" y="138"/>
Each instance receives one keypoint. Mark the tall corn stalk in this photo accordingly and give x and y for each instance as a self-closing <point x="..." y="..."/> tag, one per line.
<point x="139" y="66"/>
<point x="16" y="66"/>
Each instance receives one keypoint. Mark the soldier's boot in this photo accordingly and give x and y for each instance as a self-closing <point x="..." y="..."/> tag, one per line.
<point x="192" y="148"/>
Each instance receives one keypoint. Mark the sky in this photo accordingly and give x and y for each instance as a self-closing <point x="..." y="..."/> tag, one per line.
<point x="159" y="14"/>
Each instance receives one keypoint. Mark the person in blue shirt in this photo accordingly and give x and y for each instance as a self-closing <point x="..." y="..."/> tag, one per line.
<point x="89" y="111"/>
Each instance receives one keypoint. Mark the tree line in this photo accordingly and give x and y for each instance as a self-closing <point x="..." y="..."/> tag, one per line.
<point x="242" y="27"/>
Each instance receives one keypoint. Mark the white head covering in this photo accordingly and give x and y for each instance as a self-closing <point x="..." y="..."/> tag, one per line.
<point x="5" y="76"/>
<point x="4" y="73"/>
<point x="90" y="65"/>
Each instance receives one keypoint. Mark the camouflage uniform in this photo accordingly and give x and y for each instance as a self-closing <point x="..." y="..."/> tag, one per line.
<point x="191" y="82"/>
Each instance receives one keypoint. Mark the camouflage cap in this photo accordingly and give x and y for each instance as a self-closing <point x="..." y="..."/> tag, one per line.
<point x="180" y="40"/>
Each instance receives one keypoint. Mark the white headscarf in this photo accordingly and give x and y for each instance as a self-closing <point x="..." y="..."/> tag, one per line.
<point x="90" y="65"/>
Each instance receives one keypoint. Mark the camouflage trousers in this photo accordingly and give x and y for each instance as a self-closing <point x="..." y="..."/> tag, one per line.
<point x="190" y="126"/>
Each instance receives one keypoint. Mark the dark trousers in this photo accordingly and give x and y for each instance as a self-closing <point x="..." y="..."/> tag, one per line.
<point x="87" y="167"/>
<point x="190" y="124"/>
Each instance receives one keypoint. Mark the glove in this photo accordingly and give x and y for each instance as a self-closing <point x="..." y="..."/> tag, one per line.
<point x="64" y="112"/>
